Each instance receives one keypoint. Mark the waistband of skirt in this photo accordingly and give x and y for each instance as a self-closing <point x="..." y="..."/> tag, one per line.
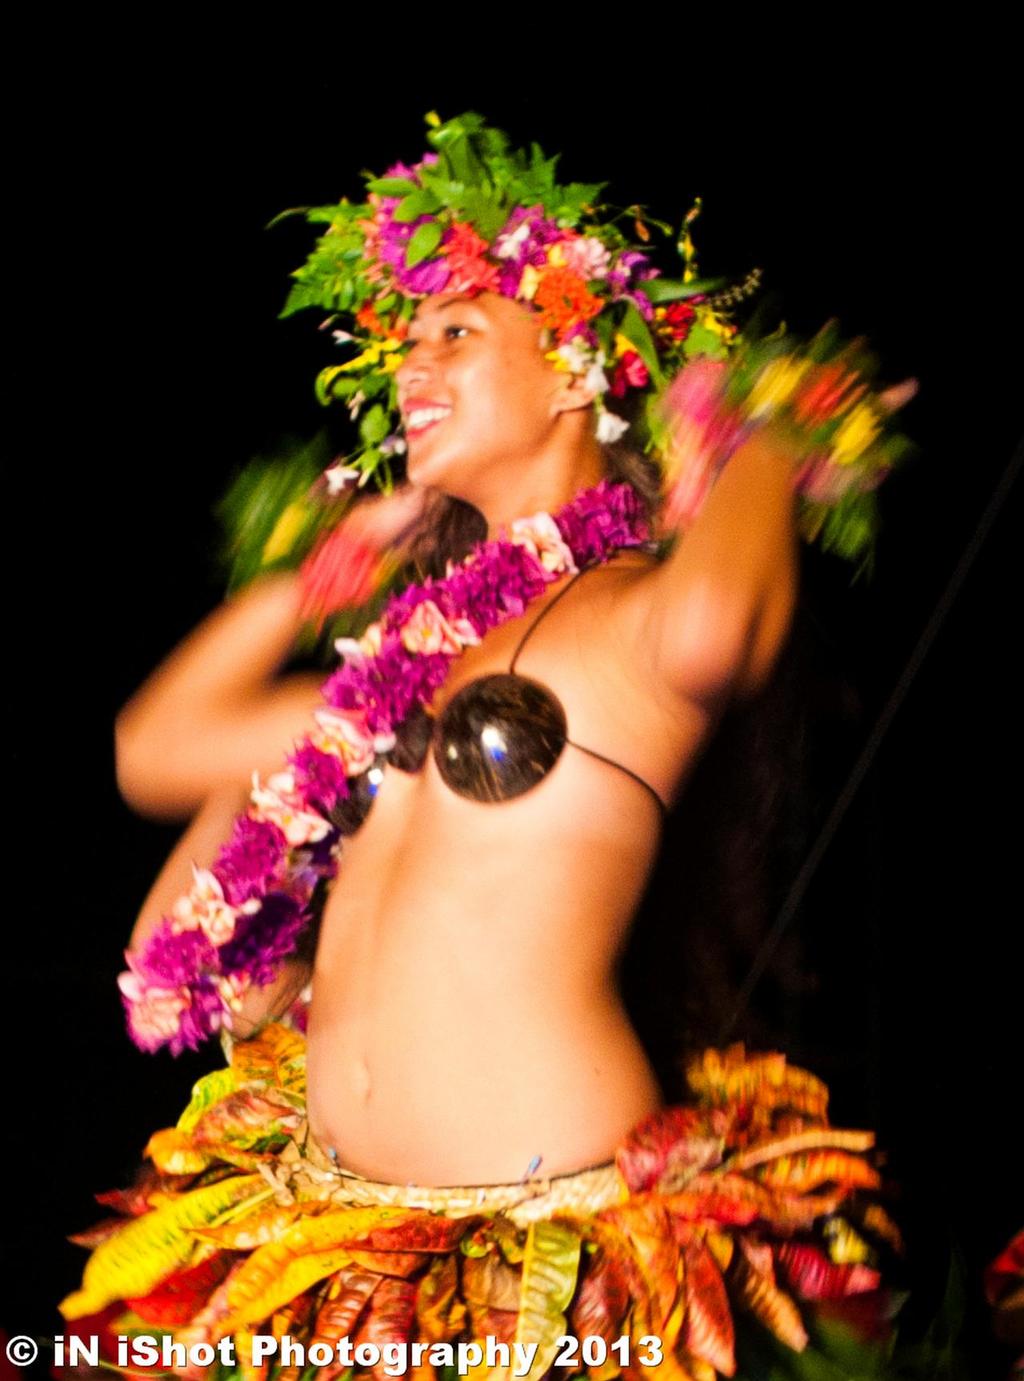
<point x="528" y="1200"/>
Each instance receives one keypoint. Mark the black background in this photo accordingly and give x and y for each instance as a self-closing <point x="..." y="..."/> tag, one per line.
<point x="867" y="188"/>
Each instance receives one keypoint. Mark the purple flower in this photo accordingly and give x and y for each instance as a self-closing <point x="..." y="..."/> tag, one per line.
<point x="393" y="243"/>
<point x="643" y="303"/>
<point x="251" y="859"/>
<point x="202" y="1019"/>
<point x="263" y="940"/>
<point x="637" y="265"/>
<point x="607" y="516"/>
<point x="522" y="240"/>
<point x="580" y="330"/>
<point x="412" y="171"/>
<point x="173" y="961"/>
<point x="631" y="268"/>
<point x="403" y="170"/>
<point x="319" y="777"/>
<point x="429" y="277"/>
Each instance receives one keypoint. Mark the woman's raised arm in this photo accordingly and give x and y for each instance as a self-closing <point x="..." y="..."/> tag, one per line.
<point x="715" y="614"/>
<point x="215" y="710"/>
<point x="212" y="712"/>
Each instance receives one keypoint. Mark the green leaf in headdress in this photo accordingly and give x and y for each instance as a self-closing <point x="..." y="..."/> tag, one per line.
<point x="392" y="186"/>
<point x="636" y="331"/>
<point x="672" y="290"/>
<point x="703" y="341"/>
<point x="425" y="239"/>
<point x="374" y="426"/>
<point x="421" y="202"/>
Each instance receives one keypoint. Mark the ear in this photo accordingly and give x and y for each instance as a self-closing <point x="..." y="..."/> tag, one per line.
<point x="573" y="392"/>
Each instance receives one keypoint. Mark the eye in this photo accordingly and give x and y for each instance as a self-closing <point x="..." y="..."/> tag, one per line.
<point x="452" y="330"/>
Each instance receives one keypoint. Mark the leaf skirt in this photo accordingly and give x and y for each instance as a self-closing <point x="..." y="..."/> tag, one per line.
<point x="738" y="1229"/>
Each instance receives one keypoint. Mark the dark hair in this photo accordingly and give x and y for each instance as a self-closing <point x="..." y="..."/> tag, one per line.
<point x="450" y="527"/>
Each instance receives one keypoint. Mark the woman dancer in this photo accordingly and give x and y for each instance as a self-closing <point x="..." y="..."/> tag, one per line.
<point x="471" y="1145"/>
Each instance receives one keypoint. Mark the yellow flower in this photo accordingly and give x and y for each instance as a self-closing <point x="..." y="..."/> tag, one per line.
<point x="391" y="363"/>
<point x="622" y="345"/>
<point x="707" y="318"/>
<point x="558" y="360"/>
<point x="528" y="282"/>
<point x="556" y="254"/>
<point x="857" y="431"/>
<point x="371" y="355"/>
<point x="776" y="384"/>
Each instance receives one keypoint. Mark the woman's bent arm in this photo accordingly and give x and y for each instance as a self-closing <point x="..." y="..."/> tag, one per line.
<point x="717" y="611"/>
<point x="212" y="713"/>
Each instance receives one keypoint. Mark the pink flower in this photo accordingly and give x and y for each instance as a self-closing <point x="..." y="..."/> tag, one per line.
<point x="542" y="539"/>
<point x="154" y="1013"/>
<point x="696" y="389"/>
<point x="630" y="372"/>
<point x="586" y="256"/>
<point x="427" y="630"/>
<point x="356" y="650"/>
<point x="281" y="804"/>
<point x="470" y="271"/>
<point x="686" y="497"/>
<point x="473" y="276"/>
<point x="345" y="734"/>
<point x="821" y="481"/>
<point x="205" y="908"/>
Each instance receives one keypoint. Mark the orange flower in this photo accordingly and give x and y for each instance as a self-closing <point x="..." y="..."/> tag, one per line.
<point x="463" y="242"/>
<point x="564" y="299"/>
<point x="370" y="321"/>
<point x="397" y="328"/>
<point x="827" y="393"/>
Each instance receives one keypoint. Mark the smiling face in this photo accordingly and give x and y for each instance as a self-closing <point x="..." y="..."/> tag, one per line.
<point x="478" y="398"/>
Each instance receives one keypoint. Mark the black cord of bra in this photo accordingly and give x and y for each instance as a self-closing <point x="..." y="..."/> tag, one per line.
<point x="871" y="746"/>
<point x="583" y="749"/>
<point x="622" y="768"/>
<point x="564" y="590"/>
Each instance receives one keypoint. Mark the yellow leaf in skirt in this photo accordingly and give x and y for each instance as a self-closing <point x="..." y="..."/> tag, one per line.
<point x="135" y="1260"/>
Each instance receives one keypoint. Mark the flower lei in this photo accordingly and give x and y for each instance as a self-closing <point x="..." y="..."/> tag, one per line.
<point x="244" y="915"/>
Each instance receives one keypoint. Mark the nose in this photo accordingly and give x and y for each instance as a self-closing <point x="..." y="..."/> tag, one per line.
<point x="410" y="368"/>
<point x="418" y="362"/>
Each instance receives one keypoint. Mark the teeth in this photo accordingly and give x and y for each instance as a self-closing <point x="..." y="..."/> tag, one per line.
<point x="421" y="417"/>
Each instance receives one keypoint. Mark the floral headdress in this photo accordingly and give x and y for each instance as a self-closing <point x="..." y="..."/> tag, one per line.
<point x="474" y="215"/>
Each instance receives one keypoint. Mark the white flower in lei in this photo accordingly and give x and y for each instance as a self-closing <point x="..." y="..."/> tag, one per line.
<point x="541" y="537"/>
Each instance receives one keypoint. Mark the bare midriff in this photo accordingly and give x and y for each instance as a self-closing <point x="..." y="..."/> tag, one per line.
<point x="465" y="1026"/>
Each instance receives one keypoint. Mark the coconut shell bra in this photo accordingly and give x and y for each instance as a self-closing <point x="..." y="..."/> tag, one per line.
<point x="501" y="734"/>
